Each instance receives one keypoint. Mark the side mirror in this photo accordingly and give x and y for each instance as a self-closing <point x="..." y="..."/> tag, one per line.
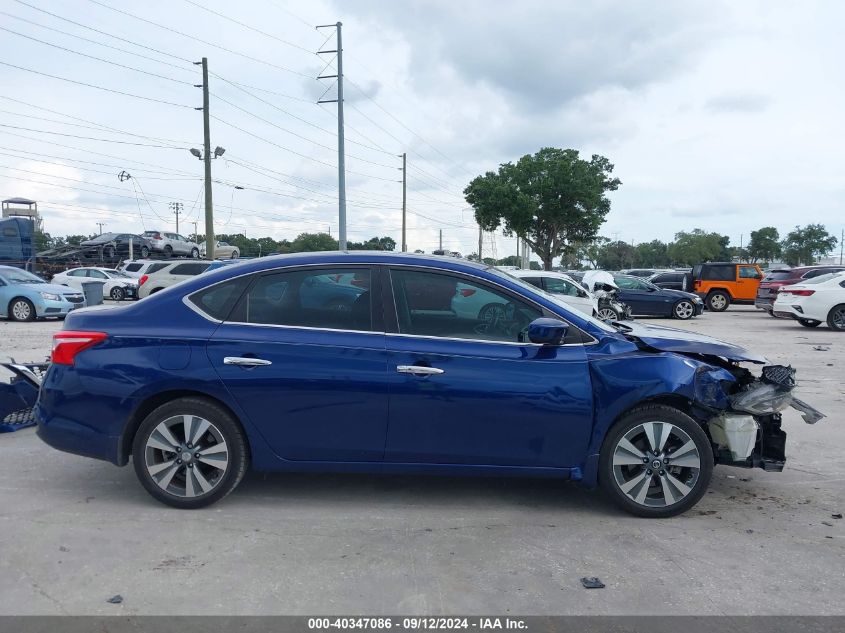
<point x="545" y="331"/>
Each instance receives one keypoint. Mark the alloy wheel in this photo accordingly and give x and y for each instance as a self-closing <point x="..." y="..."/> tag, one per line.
<point x="656" y="464"/>
<point x="608" y="314"/>
<point x="186" y="456"/>
<point x="21" y="310"/>
<point x="684" y="310"/>
<point x="836" y="320"/>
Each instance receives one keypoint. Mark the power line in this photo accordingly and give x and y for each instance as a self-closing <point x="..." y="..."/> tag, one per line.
<point x="37" y="157"/>
<point x="82" y="83"/>
<point x="90" y="28"/>
<point x="202" y="41"/>
<point x="96" y="171"/>
<point x="90" y="41"/>
<point x="99" y="59"/>
<point x="247" y="26"/>
<point x="90" y="138"/>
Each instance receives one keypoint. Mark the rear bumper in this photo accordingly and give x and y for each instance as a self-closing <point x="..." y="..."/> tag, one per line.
<point x="764" y="303"/>
<point x="72" y="437"/>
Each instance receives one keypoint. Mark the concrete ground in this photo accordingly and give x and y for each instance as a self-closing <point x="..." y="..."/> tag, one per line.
<point x="75" y="532"/>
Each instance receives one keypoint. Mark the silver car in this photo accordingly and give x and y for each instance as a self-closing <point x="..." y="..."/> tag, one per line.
<point x="223" y="250"/>
<point x="172" y="244"/>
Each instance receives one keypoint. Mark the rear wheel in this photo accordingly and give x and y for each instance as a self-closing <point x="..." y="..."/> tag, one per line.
<point x="189" y="453"/>
<point x="608" y="314"/>
<point x="145" y="252"/>
<point x="168" y="251"/>
<point x="809" y="322"/>
<point x="836" y="318"/>
<point x="195" y="253"/>
<point x="656" y="462"/>
<point x="21" y="309"/>
<point x="718" y="301"/>
<point x="234" y="255"/>
<point x="684" y="310"/>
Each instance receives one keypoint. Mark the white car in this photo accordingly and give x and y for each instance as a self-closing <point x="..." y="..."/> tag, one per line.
<point x="223" y="250"/>
<point x="561" y="287"/>
<point x="814" y="301"/>
<point x="116" y="285"/>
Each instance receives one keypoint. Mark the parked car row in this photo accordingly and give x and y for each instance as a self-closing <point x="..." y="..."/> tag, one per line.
<point x="26" y="297"/>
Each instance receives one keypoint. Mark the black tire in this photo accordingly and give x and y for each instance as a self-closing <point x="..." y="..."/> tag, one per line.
<point x="718" y="301"/>
<point x="21" y="309"/>
<point x="108" y="252"/>
<point x="687" y="282"/>
<point x="836" y="318"/>
<point x="117" y="294"/>
<point x="605" y="313"/>
<point x="809" y="322"/>
<point x="683" y="310"/>
<point x="195" y="253"/>
<point x="168" y="251"/>
<point x="221" y="422"/>
<point x="610" y="474"/>
<point x="234" y="255"/>
<point x="145" y="252"/>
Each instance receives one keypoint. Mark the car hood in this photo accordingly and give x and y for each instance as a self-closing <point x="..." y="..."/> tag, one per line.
<point x="668" y="339"/>
<point x="54" y="288"/>
<point x="679" y="293"/>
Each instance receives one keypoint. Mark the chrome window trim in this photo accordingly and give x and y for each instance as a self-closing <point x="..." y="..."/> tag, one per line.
<point x="186" y="301"/>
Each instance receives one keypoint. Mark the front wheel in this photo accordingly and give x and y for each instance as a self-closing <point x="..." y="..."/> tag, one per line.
<point x="718" y="301"/>
<point x="189" y="453"/>
<point x="195" y="253"/>
<point x="656" y="462"/>
<point x="836" y="318"/>
<point x="145" y="252"/>
<point x="21" y="309"/>
<point x="117" y="294"/>
<point x="168" y="251"/>
<point x="809" y="322"/>
<point x="234" y="255"/>
<point x="608" y="314"/>
<point x="684" y="310"/>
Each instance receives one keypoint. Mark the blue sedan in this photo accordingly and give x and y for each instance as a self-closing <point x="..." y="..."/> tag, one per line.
<point x="26" y="297"/>
<point x="245" y="367"/>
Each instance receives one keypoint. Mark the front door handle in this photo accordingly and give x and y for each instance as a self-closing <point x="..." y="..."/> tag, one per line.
<point x="246" y="362"/>
<point x="419" y="370"/>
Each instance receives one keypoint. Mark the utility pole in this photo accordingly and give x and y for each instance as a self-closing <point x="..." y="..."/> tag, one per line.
<point x="480" y="238"/>
<point x="404" y="199"/>
<point x="841" y="245"/>
<point x="341" y="154"/>
<point x="101" y="225"/>
<point x="196" y="237"/>
<point x="441" y="239"/>
<point x="177" y="209"/>
<point x="206" y="156"/>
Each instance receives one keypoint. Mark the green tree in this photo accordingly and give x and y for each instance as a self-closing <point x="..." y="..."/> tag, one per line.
<point x="553" y="199"/>
<point x="806" y="245"/>
<point x="615" y="256"/>
<point x="510" y="260"/>
<point x="306" y="242"/>
<point x="697" y="246"/>
<point x="764" y="245"/>
<point x="590" y="251"/>
<point x="374" y="244"/>
<point x="653" y="254"/>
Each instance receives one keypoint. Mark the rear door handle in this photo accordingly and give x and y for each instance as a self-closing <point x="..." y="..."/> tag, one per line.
<point x="419" y="370"/>
<point x="245" y="362"/>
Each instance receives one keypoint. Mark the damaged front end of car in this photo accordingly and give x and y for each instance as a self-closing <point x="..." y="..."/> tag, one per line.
<point x="748" y="433"/>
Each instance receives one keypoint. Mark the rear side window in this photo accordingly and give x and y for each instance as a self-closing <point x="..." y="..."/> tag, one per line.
<point x="218" y="300"/>
<point x="336" y="299"/>
<point x="718" y="273"/>
<point x="189" y="269"/>
<point x="154" y="268"/>
<point x="132" y="268"/>
<point x="534" y="281"/>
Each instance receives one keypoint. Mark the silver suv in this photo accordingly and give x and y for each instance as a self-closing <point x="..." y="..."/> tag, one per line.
<point x="137" y="268"/>
<point x="171" y="273"/>
<point x="172" y="244"/>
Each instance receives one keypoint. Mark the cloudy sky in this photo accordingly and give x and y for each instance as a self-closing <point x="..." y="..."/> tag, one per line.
<point x="726" y="116"/>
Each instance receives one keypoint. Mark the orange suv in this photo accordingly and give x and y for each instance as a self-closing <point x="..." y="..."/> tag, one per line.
<point x="723" y="283"/>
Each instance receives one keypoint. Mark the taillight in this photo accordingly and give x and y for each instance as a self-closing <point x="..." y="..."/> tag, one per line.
<point x="67" y="344"/>
<point x="143" y="280"/>
<point x="467" y="292"/>
<point x="799" y="293"/>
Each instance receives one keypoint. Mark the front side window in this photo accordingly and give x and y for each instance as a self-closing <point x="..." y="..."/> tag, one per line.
<point x="442" y="305"/>
<point x="748" y="272"/>
<point x="97" y="274"/>
<point x="337" y="299"/>
<point x="630" y="283"/>
<point x="558" y="286"/>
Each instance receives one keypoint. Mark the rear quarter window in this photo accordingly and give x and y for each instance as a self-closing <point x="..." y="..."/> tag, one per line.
<point x="189" y="269"/>
<point x="218" y="300"/>
<point x="154" y="268"/>
<point x="718" y="273"/>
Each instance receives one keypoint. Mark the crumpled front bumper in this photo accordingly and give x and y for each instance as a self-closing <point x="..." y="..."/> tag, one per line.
<point x="748" y="433"/>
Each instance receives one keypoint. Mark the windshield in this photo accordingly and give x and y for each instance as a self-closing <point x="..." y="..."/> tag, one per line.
<point x="21" y="277"/>
<point x="556" y="300"/>
<point x="822" y="278"/>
